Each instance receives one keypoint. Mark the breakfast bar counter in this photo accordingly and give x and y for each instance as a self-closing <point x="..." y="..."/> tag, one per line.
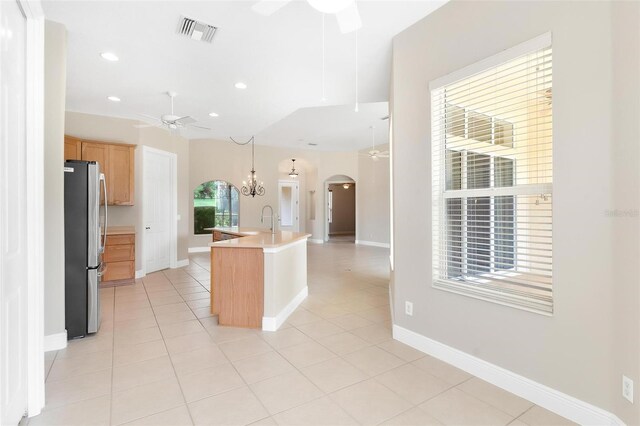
<point x="258" y="278"/>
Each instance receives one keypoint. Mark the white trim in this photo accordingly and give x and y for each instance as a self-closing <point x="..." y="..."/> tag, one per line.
<point x="182" y="263"/>
<point x="35" y="209"/>
<point x="373" y="244"/>
<point x="315" y="241"/>
<point x="274" y="323"/>
<point x="140" y="274"/>
<point x="506" y="55"/>
<point x="173" y="207"/>
<point x="55" y="342"/>
<point x="199" y="249"/>
<point x="553" y="400"/>
<point x="284" y="247"/>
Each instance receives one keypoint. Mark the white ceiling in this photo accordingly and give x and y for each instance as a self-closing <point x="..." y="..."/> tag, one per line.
<point x="278" y="57"/>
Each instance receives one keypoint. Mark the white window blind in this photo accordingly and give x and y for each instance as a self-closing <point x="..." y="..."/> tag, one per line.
<point x="493" y="179"/>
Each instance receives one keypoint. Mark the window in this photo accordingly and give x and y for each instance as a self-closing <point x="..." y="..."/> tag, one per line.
<point x="215" y="203"/>
<point x="492" y="178"/>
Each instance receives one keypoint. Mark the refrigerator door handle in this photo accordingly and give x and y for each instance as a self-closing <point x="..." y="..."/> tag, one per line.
<point x="102" y="270"/>
<point x="103" y="182"/>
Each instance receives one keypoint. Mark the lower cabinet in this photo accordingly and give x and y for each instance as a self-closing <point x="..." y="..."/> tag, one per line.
<point x="120" y="257"/>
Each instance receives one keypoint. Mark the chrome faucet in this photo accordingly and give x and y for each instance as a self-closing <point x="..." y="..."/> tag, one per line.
<point x="273" y="223"/>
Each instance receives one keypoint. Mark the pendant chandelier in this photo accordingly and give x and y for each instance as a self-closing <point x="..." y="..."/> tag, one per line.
<point x="251" y="186"/>
<point x="293" y="173"/>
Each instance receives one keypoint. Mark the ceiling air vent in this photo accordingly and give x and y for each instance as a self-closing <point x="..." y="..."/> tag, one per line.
<point x="196" y="30"/>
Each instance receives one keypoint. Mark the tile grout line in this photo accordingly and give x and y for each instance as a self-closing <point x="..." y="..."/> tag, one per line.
<point x="113" y="353"/>
<point x="175" y="373"/>
<point x="234" y="368"/>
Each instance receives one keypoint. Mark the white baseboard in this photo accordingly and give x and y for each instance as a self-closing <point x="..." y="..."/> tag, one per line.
<point x="199" y="249"/>
<point x="55" y="342"/>
<point x="553" y="400"/>
<point x="140" y="274"/>
<point x="315" y="241"/>
<point x="372" y="244"/>
<point x="274" y="323"/>
<point x="182" y="263"/>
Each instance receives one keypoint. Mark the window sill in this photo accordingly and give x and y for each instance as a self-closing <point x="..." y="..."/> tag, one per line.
<point x="535" y="303"/>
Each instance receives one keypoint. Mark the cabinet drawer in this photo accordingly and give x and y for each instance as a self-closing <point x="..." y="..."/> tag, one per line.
<point x="116" y="253"/>
<point x="113" y="240"/>
<point x="120" y="271"/>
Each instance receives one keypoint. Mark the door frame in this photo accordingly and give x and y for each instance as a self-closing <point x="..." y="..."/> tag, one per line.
<point x="326" y="204"/>
<point x="34" y="135"/>
<point x="295" y="183"/>
<point x="173" y="210"/>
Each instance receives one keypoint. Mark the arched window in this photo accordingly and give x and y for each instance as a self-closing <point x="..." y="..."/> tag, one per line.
<point x="215" y="203"/>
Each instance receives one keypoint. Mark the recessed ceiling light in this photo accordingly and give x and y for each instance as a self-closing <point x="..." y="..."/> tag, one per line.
<point x="312" y="144"/>
<point x="113" y="98"/>
<point x="241" y="85"/>
<point x="213" y="114"/>
<point x="109" y="56"/>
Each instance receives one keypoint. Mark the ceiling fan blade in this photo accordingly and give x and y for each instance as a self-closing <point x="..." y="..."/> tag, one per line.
<point x="183" y="121"/>
<point x="349" y="19"/>
<point x="269" y="7"/>
<point x="199" y="127"/>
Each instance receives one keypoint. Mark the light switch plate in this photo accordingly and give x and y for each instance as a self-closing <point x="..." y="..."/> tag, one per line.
<point x="627" y="388"/>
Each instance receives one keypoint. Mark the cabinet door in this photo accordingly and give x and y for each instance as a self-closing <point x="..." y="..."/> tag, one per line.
<point x="72" y="148"/>
<point x="99" y="153"/>
<point x="121" y="175"/>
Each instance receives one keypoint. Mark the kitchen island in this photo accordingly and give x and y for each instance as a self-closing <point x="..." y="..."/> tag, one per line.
<point x="258" y="278"/>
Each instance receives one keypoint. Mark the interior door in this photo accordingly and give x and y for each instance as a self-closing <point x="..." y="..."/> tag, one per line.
<point x="288" y="206"/>
<point x="157" y="169"/>
<point x="13" y="211"/>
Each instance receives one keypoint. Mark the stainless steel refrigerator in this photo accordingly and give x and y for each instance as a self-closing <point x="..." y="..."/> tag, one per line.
<point x="85" y="230"/>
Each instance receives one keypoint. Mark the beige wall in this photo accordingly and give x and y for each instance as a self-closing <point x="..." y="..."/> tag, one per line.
<point x="625" y="239"/>
<point x="121" y="130"/>
<point x="223" y="160"/>
<point x="592" y="338"/>
<point x="372" y="198"/>
<point x="344" y="210"/>
<point x="55" y="63"/>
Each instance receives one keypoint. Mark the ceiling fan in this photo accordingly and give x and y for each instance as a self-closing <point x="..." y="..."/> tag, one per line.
<point x="346" y="11"/>
<point x="376" y="154"/>
<point x="171" y="121"/>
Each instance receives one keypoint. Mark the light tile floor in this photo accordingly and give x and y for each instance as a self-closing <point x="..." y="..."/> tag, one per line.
<point x="160" y="359"/>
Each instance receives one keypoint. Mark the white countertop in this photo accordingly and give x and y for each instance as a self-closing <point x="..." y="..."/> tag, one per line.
<point x="257" y="238"/>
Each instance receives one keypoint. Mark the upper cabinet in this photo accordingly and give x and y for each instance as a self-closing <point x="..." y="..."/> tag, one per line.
<point x="72" y="148"/>
<point x="121" y="176"/>
<point x="116" y="162"/>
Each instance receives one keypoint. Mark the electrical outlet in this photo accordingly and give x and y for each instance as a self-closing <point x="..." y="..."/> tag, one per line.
<point x="408" y="308"/>
<point x="627" y="388"/>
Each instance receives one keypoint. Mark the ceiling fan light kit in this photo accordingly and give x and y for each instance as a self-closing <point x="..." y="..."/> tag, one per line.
<point x="346" y="11"/>
<point x="172" y="121"/>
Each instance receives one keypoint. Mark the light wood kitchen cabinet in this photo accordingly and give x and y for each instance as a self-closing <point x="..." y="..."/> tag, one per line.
<point x="120" y="255"/>
<point x="120" y="179"/>
<point x="116" y="162"/>
<point x="72" y="148"/>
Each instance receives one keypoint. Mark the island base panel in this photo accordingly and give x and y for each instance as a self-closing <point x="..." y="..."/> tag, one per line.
<point x="238" y="286"/>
